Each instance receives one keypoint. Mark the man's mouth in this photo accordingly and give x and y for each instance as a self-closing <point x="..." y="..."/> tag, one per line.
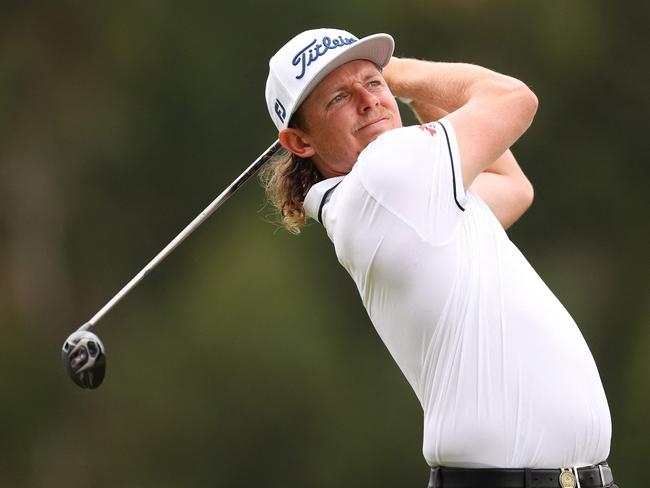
<point x="372" y="122"/>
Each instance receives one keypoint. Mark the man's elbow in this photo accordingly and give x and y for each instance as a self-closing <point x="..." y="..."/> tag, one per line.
<point x="522" y="199"/>
<point x="515" y="105"/>
<point x="527" y="102"/>
<point x="526" y="194"/>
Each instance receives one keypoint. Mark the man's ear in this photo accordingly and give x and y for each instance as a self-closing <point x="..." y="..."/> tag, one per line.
<point x="296" y="141"/>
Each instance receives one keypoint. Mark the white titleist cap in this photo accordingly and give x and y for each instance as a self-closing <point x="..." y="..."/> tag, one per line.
<point x="296" y="69"/>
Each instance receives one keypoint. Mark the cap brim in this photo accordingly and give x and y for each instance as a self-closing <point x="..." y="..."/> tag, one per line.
<point x="377" y="48"/>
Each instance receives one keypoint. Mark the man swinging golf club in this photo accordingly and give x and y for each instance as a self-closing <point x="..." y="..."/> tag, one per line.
<point x="509" y="389"/>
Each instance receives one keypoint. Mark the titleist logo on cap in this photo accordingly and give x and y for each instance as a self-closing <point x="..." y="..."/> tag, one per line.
<point x="309" y="54"/>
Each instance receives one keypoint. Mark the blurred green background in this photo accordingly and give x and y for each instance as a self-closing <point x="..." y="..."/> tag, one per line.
<point x="246" y="359"/>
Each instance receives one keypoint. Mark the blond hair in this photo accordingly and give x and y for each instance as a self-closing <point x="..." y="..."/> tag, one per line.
<point x="287" y="178"/>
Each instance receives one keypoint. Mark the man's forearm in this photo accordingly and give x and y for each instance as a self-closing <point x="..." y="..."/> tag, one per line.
<point x="445" y="85"/>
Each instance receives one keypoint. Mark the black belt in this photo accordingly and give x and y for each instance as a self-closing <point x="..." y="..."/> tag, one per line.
<point x="597" y="476"/>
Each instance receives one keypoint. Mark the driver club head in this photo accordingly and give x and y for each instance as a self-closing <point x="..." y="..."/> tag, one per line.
<point x="84" y="359"/>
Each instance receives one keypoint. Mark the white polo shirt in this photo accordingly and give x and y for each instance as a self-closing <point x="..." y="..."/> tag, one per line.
<point x="501" y="370"/>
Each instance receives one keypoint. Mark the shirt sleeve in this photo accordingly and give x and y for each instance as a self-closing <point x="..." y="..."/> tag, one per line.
<point x="415" y="173"/>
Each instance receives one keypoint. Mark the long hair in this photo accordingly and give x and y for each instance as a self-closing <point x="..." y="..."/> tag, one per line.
<point x="287" y="178"/>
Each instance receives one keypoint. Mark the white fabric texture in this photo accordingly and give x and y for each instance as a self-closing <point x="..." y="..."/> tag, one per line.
<point x="502" y="372"/>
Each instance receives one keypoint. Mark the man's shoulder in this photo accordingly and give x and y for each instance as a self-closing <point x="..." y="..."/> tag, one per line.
<point x="404" y="137"/>
<point x="403" y="145"/>
<point x="399" y="135"/>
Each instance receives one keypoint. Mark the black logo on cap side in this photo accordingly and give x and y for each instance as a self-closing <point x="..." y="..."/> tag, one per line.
<point x="280" y="111"/>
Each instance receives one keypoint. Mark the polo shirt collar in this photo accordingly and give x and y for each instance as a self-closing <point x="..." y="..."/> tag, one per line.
<point x="316" y="194"/>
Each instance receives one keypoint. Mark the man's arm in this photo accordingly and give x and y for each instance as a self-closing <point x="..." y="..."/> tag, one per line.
<point x="503" y="186"/>
<point x="489" y="111"/>
<point x="505" y="189"/>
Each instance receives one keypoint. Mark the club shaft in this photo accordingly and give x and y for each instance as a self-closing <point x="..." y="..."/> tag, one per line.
<point x="191" y="227"/>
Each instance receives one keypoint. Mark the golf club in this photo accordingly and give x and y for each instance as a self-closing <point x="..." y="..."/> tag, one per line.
<point x="84" y="356"/>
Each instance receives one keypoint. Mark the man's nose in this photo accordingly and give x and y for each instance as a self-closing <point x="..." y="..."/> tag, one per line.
<point x="367" y="99"/>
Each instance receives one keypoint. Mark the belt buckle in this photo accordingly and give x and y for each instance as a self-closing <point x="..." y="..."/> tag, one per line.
<point x="567" y="478"/>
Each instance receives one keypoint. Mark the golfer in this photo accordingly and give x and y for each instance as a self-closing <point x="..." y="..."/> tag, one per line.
<point x="509" y="389"/>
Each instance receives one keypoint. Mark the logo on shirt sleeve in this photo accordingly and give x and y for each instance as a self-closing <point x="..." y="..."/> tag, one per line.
<point x="428" y="128"/>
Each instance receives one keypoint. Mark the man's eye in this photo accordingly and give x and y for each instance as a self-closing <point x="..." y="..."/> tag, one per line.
<point x="374" y="83"/>
<point x="338" y="98"/>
